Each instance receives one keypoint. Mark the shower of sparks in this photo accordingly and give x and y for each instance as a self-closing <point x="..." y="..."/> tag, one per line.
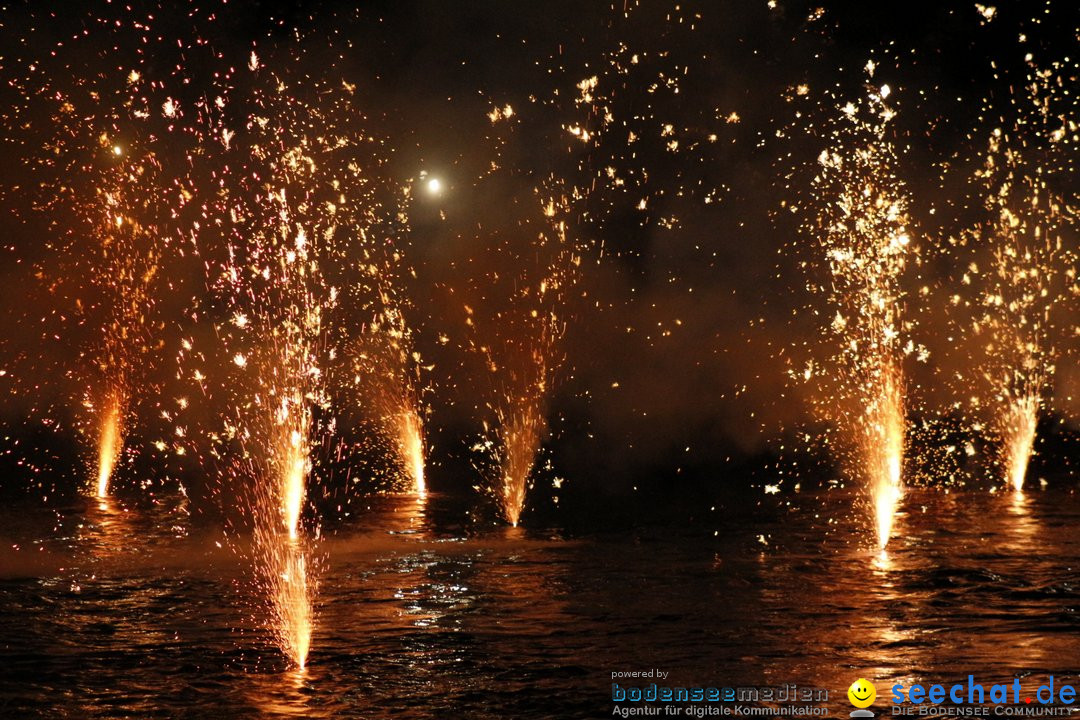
<point x="638" y="152"/>
<point x="859" y="225"/>
<point x="121" y="275"/>
<point x="1018" y="437"/>
<point x="279" y="543"/>
<point x="292" y="458"/>
<point x="387" y="378"/>
<point x="1021" y="242"/>
<point x="171" y="158"/>
<point x="522" y="363"/>
<point x="287" y="241"/>
<point x="124" y="274"/>
<point x="520" y="431"/>
<point x="387" y="372"/>
<point x="883" y="449"/>
<point x="1017" y="309"/>
<point x="280" y="547"/>
<point x="520" y="424"/>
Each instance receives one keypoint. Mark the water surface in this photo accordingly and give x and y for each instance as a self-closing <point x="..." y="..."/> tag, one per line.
<point x="138" y="612"/>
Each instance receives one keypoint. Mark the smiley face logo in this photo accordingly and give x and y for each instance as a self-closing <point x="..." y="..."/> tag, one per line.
<point x="862" y="693"/>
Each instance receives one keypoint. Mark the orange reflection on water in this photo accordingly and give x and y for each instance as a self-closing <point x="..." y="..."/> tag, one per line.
<point x="286" y="694"/>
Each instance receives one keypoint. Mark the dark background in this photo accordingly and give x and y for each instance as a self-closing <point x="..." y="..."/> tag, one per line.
<point x="679" y="338"/>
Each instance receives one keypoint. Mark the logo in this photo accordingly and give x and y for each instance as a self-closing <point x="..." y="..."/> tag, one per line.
<point x="862" y="694"/>
<point x="975" y="698"/>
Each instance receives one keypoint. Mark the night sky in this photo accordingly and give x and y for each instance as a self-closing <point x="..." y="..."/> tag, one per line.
<point x="691" y="305"/>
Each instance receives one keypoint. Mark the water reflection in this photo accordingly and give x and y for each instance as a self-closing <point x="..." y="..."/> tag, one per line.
<point x="286" y="694"/>
<point x="107" y="530"/>
<point x="423" y="615"/>
<point x="110" y="528"/>
<point x="976" y="582"/>
<point x="1022" y="537"/>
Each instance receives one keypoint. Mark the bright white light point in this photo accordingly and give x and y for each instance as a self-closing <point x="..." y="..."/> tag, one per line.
<point x="117" y="150"/>
<point x="434" y="186"/>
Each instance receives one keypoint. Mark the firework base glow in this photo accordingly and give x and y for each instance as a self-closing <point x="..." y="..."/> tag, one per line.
<point x="1019" y="439"/>
<point x="280" y="547"/>
<point x="885" y="454"/>
<point x="521" y="442"/>
<point x="110" y="443"/>
<point x="411" y="445"/>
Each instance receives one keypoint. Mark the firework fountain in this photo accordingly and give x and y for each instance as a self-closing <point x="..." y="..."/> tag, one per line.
<point x="124" y="273"/>
<point x="281" y="336"/>
<point x="521" y="422"/>
<point x="387" y="374"/>
<point x="1023" y="233"/>
<point x="1016" y="313"/>
<point x="522" y="366"/>
<point x="531" y="359"/>
<point x="99" y="157"/>
<point x="294" y="208"/>
<point x="861" y="230"/>
<point x="276" y="424"/>
<point x="110" y="440"/>
<point x="280" y="546"/>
